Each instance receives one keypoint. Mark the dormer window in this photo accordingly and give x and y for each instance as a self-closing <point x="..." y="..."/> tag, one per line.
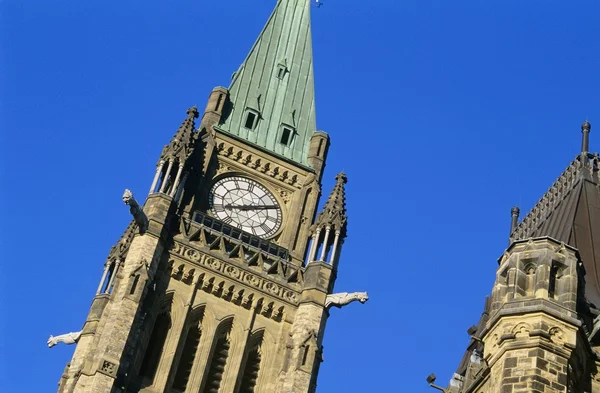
<point x="251" y="119"/>
<point x="281" y="70"/>
<point x="287" y="135"/>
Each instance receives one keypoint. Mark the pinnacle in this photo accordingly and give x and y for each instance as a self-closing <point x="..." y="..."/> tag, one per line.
<point x="334" y="211"/>
<point x="181" y="145"/>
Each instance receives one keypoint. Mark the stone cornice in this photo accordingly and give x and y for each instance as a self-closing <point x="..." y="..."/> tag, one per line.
<point x="235" y="272"/>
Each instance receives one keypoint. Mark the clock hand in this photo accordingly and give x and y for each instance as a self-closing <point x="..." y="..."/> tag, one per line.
<point x="250" y="207"/>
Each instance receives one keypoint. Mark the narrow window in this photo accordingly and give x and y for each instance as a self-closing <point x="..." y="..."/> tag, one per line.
<point x="251" y="118"/>
<point x="188" y="355"/>
<point x="552" y="281"/>
<point x="320" y="147"/>
<point x="281" y="71"/>
<point x="217" y="363"/>
<point x="305" y="355"/>
<point x="252" y="366"/>
<point x="286" y="136"/>
<point x="155" y="346"/>
<point x="219" y="102"/>
<point x="136" y="280"/>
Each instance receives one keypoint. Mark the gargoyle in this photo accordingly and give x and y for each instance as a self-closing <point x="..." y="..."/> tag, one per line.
<point x="69" y="338"/>
<point x="342" y="299"/>
<point x="136" y="211"/>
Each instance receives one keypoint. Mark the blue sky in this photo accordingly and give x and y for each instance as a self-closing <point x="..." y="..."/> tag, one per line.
<point x="443" y="114"/>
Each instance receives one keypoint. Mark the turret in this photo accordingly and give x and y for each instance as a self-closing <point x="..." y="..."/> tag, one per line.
<point x="175" y="156"/>
<point x="329" y="231"/>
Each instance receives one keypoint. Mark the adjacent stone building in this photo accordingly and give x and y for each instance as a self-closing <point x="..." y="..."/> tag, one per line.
<point x="223" y="280"/>
<point x="539" y="329"/>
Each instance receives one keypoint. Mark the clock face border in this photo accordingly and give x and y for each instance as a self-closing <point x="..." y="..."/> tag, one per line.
<point x="243" y="190"/>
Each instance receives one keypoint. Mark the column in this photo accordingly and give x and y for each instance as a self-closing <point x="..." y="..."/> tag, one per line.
<point x="181" y="185"/>
<point x="325" y="242"/>
<point x="176" y="183"/>
<point x="166" y="177"/>
<point x="155" y="181"/>
<point x="313" y="246"/>
<point x="106" y="266"/>
<point x="112" y="277"/>
<point x="335" y="248"/>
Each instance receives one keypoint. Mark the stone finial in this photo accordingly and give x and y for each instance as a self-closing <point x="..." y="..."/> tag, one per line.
<point x="514" y="212"/>
<point x="585" y="142"/>
<point x="342" y="299"/>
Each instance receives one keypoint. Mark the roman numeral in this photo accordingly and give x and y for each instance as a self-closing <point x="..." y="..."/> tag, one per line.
<point x="265" y="228"/>
<point x="227" y="220"/>
<point x="250" y="187"/>
<point x="218" y="207"/>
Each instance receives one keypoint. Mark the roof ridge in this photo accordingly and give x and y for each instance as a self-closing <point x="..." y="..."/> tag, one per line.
<point x="561" y="187"/>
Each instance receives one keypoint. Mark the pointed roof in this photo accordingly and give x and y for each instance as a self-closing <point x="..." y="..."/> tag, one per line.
<point x="334" y="211"/>
<point x="570" y="212"/>
<point x="181" y="145"/>
<point x="276" y="83"/>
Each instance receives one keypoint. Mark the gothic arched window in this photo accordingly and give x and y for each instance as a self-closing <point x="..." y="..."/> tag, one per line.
<point x="252" y="364"/>
<point x="156" y="346"/>
<point x="188" y="355"/>
<point x="218" y="360"/>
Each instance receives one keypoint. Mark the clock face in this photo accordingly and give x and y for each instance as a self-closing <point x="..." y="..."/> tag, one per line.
<point x="245" y="204"/>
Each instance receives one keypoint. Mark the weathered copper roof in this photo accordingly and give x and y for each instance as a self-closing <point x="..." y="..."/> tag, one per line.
<point x="570" y="212"/>
<point x="276" y="83"/>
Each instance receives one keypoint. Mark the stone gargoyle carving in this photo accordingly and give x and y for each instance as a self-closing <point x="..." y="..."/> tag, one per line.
<point x="136" y="211"/>
<point x="69" y="338"/>
<point x="342" y="299"/>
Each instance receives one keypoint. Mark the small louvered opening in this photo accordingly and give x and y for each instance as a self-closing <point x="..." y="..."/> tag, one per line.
<point x="251" y="371"/>
<point x="217" y="365"/>
<point x="184" y="369"/>
<point x="155" y="346"/>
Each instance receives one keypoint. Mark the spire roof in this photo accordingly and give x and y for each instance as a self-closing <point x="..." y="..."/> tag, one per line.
<point x="276" y="85"/>
<point x="334" y="211"/>
<point x="570" y="212"/>
<point x="181" y="145"/>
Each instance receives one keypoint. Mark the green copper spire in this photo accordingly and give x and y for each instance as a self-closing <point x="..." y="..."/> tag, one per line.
<point x="272" y="93"/>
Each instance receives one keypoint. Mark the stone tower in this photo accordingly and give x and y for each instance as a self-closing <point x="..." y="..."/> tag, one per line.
<point x="539" y="329"/>
<point x="223" y="280"/>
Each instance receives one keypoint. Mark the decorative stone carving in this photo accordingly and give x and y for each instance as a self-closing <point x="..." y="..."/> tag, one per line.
<point x="557" y="336"/>
<point x="69" y="338"/>
<point x="521" y="330"/>
<point x="342" y="299"/>
<point x="278" y="290"/>
<point x="271" y="169"/>
<point x="136" y="211"/>
<point x="108" y="368"/>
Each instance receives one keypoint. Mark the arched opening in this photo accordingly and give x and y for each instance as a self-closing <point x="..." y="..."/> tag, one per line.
<point x="218" y="358"/>
<point x="251" y="365"/>
<point x="155" y="348"/>
<point x="188" y="355"/>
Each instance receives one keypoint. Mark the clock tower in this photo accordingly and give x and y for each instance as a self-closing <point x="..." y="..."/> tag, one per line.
<point x="223" y="280"/>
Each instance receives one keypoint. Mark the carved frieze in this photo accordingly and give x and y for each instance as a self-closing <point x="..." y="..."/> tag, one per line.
<point x="234" y="272"/>
<point x="285" y="175"/>
<point x="230" y="291"/>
